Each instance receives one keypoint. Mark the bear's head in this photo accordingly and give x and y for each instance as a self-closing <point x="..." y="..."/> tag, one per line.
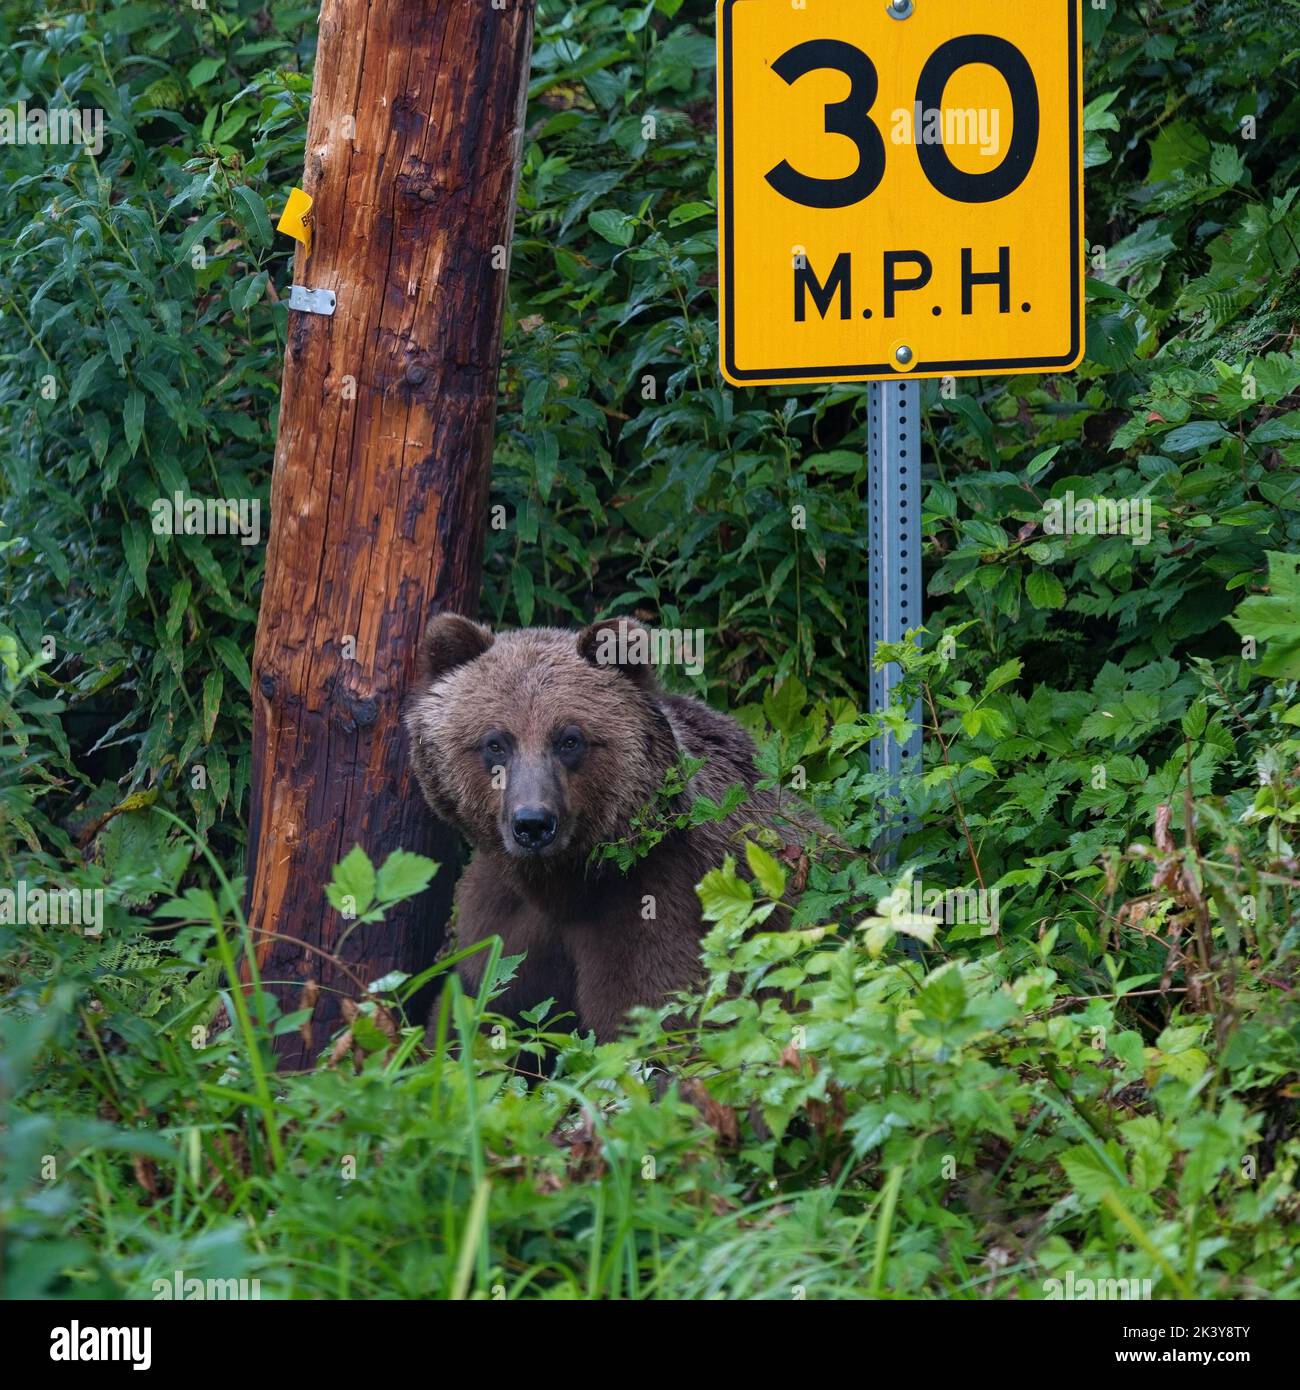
<point x="541" y="743"/>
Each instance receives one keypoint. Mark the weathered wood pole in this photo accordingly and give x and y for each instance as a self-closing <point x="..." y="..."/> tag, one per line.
<point x="380" y="485"/>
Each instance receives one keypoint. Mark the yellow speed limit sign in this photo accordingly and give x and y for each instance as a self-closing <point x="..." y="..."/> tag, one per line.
<point x="900" y="188"/>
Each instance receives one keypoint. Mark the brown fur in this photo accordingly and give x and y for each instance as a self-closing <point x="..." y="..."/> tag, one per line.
<point x="581" y="924"/>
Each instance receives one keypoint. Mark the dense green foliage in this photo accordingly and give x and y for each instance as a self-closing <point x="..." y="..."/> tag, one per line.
<point x="1097" y="1078"/>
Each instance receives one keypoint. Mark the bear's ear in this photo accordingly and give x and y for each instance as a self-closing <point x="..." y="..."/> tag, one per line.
<point x="450" y="641"/>
<point x="622" y="643"/>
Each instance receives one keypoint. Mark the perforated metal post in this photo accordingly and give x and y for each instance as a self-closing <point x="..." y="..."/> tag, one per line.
<point x="894" y="547"/>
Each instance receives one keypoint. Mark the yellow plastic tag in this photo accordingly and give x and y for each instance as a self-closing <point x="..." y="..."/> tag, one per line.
<point x="295" y="220"/>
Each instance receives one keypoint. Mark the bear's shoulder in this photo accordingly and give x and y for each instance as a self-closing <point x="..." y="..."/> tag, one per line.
<point x="702" y="732"/>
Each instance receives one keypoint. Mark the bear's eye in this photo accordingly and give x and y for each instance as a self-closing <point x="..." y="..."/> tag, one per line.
<point x="495" y="747"/>
<point x="570" y="745"/>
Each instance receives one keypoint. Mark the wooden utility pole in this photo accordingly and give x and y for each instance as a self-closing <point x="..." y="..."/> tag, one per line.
<point x="380" y="486"/>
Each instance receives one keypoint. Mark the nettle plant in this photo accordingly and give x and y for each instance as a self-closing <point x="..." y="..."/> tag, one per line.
<point x="935" y="1100"/>
<point x="142" y="337"/>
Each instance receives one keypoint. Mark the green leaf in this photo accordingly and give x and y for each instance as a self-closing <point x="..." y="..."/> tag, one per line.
<point x="1273" y="619"/>
<point x="841" y="463"/>
<point x="1177" y="149"/>
<point x="119" y="341"/>
<point x="521" y="583"/>
<point x="768" y="873"/>
<point x="1194" y="720"/>
<point x="895" y="913"/>
<point x="941" y="500"/>
<point x="1093" y="1174"/>
<point x="133" y="419"/>
<point x="943" y="997"/>
<point x="235" y="661"/>
<point x="784" y="705"/>
<point x="724" y="896"/>
<point x="1199" y="435"/>
<point x="212" y="684"/>
<point x="135" y="543"/>
<point x="1003" y="675"/>
<point x="367" y="1034"/>
<point x="688" y="212"/>
<point x="1044" y="589"/>
<point x="219" y="774"/>
<point x="403" y="875"/>
<point x="615" y="227"/>
<point x="290" y="1023"/>
<point x="1227" y="165"/>
<point x="352" y="889"/>
<point x="178" y="603"/>
<point x="386" y="984"/>
<point x="204" y="71"/>
<point x="258" y="224"/>
<point x="1041" y="462"/>
<point x="84" y="378"/>
<point x="547" y="459"/>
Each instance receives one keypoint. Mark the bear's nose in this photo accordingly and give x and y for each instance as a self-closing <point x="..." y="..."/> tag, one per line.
<point x="533" y="826"/>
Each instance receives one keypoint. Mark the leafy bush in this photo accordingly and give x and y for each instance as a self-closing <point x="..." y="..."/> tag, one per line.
<point x="1091" y="1071"/>
<point x="143" y="335"/>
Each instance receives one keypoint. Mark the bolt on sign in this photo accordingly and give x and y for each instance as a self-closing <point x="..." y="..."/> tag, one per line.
<point x="900" y="188"/>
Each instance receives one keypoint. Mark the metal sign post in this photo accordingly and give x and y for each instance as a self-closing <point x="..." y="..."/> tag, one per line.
<point x="894" y="553"/>
<point x="900" y="197"/>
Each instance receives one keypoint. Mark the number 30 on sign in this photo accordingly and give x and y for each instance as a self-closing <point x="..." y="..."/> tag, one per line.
<point x="900" y="188"/>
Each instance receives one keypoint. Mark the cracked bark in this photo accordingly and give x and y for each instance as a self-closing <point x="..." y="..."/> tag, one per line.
<point x="380" y="484"/>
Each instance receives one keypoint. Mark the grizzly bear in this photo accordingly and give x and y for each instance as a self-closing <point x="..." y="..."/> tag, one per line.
<point x="540" y="746"/>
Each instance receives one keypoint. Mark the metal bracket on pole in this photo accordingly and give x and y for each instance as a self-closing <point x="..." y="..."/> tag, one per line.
<point x="312" y="301"/>
<point x="894" y="549"/>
